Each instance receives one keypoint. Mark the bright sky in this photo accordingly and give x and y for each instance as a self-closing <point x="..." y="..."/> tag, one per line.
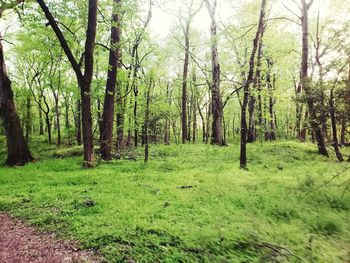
<point x="164" y="14"/>
<point x="165" y="11"/>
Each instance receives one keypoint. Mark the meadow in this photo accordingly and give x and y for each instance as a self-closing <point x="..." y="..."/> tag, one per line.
<point x="190" y="203"/>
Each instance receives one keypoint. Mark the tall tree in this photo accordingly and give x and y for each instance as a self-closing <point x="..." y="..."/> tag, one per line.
<point x="248" y="82"/>
<point x="84" y="79"/>
<point x="186" y="27"/>
<point x="18" y="150"/>
<point x="251" y="137"/>
<point x="217" y="109"/>
<point x="108" y="107"/>
<point x="305" y="80"/>
<point x="332" y="111"/>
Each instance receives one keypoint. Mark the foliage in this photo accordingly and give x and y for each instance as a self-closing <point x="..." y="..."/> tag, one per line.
<point x="191" y="203"/>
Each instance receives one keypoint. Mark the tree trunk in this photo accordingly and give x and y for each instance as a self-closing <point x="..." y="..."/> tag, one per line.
<point x="194" y="120"/>
<point x="41" y="122"/>
<point x="203" y="122"/>
<point x="184" y="84"/>
<point x="120" y="122"/>
<point x="271" y="85"/>
<point x="343" y="131"/>
<point x="243" y="150"/>
<point x="87" y="125"/>
<point x="48" y="126"/>
<point x="251" y="136"/>
<point x="257" y="86"/>
<point x="209" y="108"/>
<point x="18" y="151"/>
<point x="145" y="125"/>
<point x="305" y="81"/>
<point x="217" y="108"/>
<point x="66" y="107"/>
<point x="78" y="123"/>
<point x="334" y="128"/>
<point x="84" y="80"/>
<point x="28" y="118"/>
<point x="57" y="110"/>
<point x="106" y="143"/>
<point x="167" y="122"/>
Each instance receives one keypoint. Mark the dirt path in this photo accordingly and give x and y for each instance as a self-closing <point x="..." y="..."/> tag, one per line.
<point x="20" y="243"/>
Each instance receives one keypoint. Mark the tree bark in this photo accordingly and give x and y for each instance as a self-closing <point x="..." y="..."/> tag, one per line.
<point x="334" y="127"/>
<point x="167" y="122"/>
<point x="257" y="86"/>
<point x="243" y="146"/>
<point x="78" y="123"/>
<point x="343" y="131"/>
<point x="184" y="84"/>
<point x="18" y="150"/>
<point x="28" y="122"/>
<point x="305" y="81"/>
<point x="271" y="85"/>
<point x="145" y="125"/>
<point x="108" y="107"/>
<point x="57" y="111"/>
<point x="217" y="108"/>
<point x="41" y="123"/>
<point x="84" y="80"/>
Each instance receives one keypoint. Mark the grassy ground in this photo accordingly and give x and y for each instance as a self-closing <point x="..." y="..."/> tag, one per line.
<point x="190" y="203"/>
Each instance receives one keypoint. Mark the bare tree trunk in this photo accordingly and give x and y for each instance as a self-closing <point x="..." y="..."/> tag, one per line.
<point x="17" y="147"/>
<point x="106" y="142"/>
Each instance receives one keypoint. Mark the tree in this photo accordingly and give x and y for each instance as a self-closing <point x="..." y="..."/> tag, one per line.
<point x="84" y="79"/>
<point x="305" y="81"/>
<point x="108" y="106"/>
<point x="17" y="147"/>
<point x="217" y="109"/>
<point x="248" y="82"/>
<point x="332" y="111"/>
<point x="186" y="27"/>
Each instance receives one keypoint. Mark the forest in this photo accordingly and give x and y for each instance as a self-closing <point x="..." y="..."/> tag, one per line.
<point x="174" y="131"/>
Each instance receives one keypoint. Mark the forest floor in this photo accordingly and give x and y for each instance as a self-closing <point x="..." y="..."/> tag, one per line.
<point x="190" y="203"/>
<point x="20" y="243"/>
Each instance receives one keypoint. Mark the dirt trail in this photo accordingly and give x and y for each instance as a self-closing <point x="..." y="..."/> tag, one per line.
<point x="20" y="243"/>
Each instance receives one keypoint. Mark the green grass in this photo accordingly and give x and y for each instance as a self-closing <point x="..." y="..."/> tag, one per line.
<point x="129" y="210"/>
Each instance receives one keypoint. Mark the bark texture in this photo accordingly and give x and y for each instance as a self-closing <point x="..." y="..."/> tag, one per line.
<point x="305" y="81"/>
<point x="216" y="100"/>
<point x="18" y="150"/>
<point x="108" y="107"/>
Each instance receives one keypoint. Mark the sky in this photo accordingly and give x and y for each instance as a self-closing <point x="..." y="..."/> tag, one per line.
<point x="164" y="14"/>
